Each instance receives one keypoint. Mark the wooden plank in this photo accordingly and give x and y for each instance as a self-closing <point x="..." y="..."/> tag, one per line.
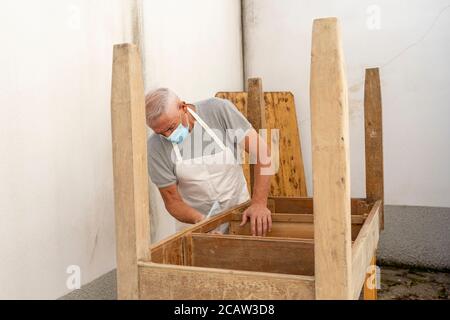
<point x="288" y="256"/>
<point x="171" y="253"/>
<point x="239" y="99"/>
<point x="176" y="249"/>
<point x="300" y="230"/>
<point x="364" y="247"/>
<point x="305" y="205"/>
<point x="370" y="282"/>
<point x="373" y="120"/>
<point x="330" y="156"/>
<point x="280" y="114"/>
<point x="159" y="249"/>
<point x="256" y="104"/>
<point x="130" y="168"/>
<point x="256" y="116"/>
<point x="216" y="221"/>
<point x="297" y="217"/>
<point x="187" y="249"/>
<point x="167" y="282"/>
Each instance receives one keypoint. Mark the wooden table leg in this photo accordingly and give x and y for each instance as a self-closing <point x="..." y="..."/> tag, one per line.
<point x="370" y="285"/>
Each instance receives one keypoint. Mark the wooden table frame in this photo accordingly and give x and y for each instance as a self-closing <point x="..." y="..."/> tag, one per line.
<point x="319" y="249"/>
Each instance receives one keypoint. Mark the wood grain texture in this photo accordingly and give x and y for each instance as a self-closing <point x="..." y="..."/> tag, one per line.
<point x="214" y="222"/>
<point x="330" y="159"/>
<point x="297" y="217"/>
<point x="373" y="120"/>
<point x="174" y="249"/>
<point x="364" y="248"/>
<point x="187" y="249"/>
<point x="291" y="225"/>
<point x="370" y="291"/>
<point x="287" y="256"/>
<point x="280" y="113"/>
<point x="170" y="253"/>
<point x="256" y="116"/>
<point x="166" y="282"/>
<point x="255" y="104"/>
<point x="130" y="168"/>
<point x="300" y="230"/>
<point x="305" y="205"/>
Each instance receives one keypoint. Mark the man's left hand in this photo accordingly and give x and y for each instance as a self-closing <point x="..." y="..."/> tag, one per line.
<point x="260" y="219"/>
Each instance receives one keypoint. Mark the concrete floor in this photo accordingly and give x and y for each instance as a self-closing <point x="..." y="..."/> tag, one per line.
<point x="103" y="288"/>
<point x="415" y="236"/>
<point x="396" y="284"/>
<point x="413" y="284"/>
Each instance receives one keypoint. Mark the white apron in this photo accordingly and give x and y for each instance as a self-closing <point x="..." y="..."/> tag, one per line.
<point x="210" y="182"/>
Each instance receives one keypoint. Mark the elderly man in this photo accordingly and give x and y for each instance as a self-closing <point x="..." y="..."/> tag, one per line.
<point x="192" y="159"/>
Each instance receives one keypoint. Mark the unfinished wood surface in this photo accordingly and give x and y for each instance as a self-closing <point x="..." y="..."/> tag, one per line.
<point x="364" y="248"/>
<point x="297" y="217"/>
<point x="216" y="221"/>
<point x="169" y="250"/>
<point x="305" y="205"/>
<point x="171" y="253"/>
<point x="330" y="159"/>
<point x="374" y="138"/>
<point x="280" y="114"/>
<point x="300" y="230"/>
<point x="256" y="106"/>
<point x="370" y="283"/>
<point x="130" y="168"/>
<point x="288" y="256"/>
<point x="167" y="282"/>
<point x="256" y="115"/>
<point x="187" y="249"/>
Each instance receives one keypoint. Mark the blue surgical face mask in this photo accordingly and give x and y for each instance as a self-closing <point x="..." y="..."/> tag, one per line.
<point x="179" y="134"/>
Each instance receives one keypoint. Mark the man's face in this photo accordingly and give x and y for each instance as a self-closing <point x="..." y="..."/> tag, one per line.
<point x="170" y="120"/>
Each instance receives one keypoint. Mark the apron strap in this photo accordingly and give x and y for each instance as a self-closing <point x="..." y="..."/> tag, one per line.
<point x="207" y="129"/>
<point x="177" y="152"/>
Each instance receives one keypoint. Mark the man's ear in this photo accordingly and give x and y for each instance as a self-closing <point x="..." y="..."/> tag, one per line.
<point x="183" y="105"/>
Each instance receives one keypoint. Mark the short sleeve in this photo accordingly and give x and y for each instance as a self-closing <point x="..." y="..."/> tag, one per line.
<point x="161" y="168"/>
<point x="233" y="120"/>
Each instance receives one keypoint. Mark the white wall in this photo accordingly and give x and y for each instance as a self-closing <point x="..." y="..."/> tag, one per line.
<point x="194" y="48"/>
<point x="412" y="47"/>
<point x="56" y="196"/>
<point x="56" y="186"/>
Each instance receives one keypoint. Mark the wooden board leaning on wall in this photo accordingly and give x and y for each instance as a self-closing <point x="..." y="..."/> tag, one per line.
<point x="280" y="114"/>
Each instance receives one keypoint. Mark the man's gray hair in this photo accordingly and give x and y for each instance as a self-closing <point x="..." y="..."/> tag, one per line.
<point x="157" y="102"/>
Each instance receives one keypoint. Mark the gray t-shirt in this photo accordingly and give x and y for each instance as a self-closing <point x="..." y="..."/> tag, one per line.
<point x="221" y="116"/>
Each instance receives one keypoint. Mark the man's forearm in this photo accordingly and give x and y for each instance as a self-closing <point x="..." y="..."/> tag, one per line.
<point x="261" y="185"/>
<point x="262" y="173"/>
<point x="183" y="212"/>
